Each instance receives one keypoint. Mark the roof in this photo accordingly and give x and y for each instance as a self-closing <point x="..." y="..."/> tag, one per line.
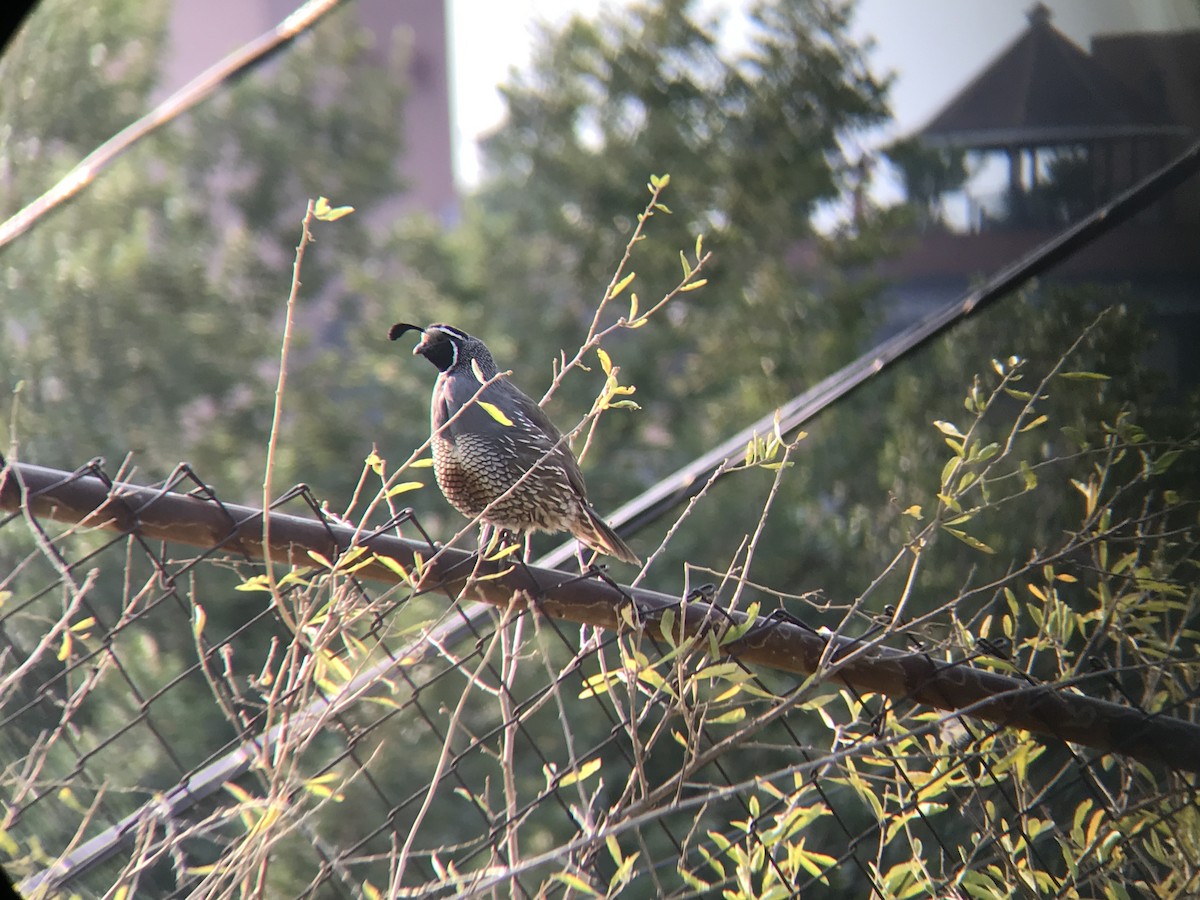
<point x="1044" y="89"/>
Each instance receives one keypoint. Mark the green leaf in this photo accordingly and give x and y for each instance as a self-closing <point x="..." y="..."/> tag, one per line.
<point x="687" y="269"/>
<point x="948" y="428"/>
<point x="622" y="284"/>
<point x="1164" y="462"/>
<point x="730" y="718"/>
<point x="326" y="213"/>
<point x="254" y="583"/>
<point x="404" y="487"/>
<point x="972" y="542"/>
<point x="1040" y="420"/>
<point x="375" y="462"/>
<point x="584" y="772"/>
<point x="693" y="285"/>
<point x="1029" y="475"/>
<point x="494" y="411"/>
<point x="576" y="883"/>
<point x="1084" y="376"/>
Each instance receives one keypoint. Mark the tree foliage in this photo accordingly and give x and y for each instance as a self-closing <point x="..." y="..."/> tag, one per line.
<point x="142" y="316"/>
<point x="1015" y="484"/>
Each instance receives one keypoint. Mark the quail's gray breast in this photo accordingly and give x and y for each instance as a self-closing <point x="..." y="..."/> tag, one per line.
<point x="474" y="471"/>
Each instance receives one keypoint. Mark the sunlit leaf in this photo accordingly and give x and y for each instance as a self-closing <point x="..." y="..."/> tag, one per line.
<point x="623" y="283"/>
<point x="326" y="213"/>
<point x="494" y="411"/>
<point x="584" y="772"/>
<point x="972" y="542"/>
<point x="375" y="462"/>
<point x="404" y="487"/>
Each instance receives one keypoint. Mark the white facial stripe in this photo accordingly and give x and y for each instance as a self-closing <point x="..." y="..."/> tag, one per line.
<point x="451" y="331"/>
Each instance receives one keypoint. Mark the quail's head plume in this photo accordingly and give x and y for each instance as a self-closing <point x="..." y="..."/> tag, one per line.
<point x="496" y="454"/>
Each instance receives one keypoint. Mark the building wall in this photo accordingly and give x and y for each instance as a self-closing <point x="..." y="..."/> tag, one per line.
<point x="203" y="31"/>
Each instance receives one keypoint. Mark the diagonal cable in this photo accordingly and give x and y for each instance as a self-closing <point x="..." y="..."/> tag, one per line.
<point x="683" y="484"/>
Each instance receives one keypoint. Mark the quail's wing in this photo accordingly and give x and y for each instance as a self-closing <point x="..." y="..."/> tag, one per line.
<point x="530" y="437"/>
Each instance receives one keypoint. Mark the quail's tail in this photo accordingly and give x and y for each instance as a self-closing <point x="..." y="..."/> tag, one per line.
<point x="597" y="534"/>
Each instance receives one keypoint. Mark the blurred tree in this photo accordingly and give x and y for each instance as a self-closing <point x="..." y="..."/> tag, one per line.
<point x="144" y="316"/>
<point x="753" y="140"/>
<point x="753" y="143"/>
<point x="928" y="175"/>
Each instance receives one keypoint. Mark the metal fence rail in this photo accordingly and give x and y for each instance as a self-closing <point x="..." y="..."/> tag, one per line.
<point x="144" y="696"/>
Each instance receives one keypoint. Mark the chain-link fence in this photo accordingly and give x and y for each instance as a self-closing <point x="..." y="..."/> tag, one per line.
<point x="175" y="720"/>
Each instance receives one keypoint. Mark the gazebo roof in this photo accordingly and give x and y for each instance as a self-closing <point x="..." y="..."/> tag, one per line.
<point x="1044" y="90"/>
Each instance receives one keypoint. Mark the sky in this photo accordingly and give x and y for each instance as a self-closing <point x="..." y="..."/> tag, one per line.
<point x="933" y="46"/>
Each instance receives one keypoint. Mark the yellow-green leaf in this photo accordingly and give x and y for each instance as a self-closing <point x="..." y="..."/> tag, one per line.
<point x="729" y="718"/>
<point x="1029" y="475"/>
<point x="576" y="883"/>
<point x="948" y="428"/>
<point x="394" y="565"/>
<point x="255" y="583"/>
<point x="693" y="285"/>
<point x="605" y="360"/>
<point x="972" y="542"/>
<point x="623" y="283"/>
<point x="326" y="213"/>
<point x="375" y="462"/>
<point x="494" y="411"/>
<point x="404" y="487"/>
<point x="584" y="772"/>
<point x="1040" y="420"/>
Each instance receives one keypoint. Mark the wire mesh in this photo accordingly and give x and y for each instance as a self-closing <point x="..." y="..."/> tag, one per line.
<point x="171" y="724"/>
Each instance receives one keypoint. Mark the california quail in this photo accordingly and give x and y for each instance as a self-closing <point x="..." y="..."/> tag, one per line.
<point x="493" y="439"/>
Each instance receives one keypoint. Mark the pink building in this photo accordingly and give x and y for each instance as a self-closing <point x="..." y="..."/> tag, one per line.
<point x="203" y="31"/>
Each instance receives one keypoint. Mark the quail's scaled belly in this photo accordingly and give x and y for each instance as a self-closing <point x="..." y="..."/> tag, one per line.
<point x="472" y="474"/>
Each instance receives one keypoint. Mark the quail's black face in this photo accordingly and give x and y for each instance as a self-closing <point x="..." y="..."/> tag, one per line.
<point x="443" y="345"/>
<point x="437" y="343"/>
